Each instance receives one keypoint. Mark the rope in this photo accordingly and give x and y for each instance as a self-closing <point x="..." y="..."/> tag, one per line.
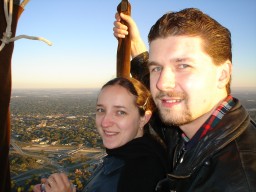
<point x="7" y="34"/>
<point x="24" y="3"/>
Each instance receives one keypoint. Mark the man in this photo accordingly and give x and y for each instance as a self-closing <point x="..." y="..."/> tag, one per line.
<point x="210" y="137"/>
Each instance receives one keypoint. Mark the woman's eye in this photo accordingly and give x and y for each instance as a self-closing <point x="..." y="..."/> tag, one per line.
<point x="99" y="110"/>
<point x="121" y="113"/>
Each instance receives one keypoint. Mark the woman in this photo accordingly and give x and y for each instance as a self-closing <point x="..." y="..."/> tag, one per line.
<point x="135" y="160"/>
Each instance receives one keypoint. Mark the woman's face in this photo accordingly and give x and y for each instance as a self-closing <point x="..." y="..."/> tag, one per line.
<point x="117" y="117"/>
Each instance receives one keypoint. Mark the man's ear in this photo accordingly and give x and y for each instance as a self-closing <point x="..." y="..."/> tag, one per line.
<point x="224" y="74"/>
<point x="146" y="118"/>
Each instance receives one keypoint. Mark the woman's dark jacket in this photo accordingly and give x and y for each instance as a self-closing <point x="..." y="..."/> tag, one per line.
<point x="223" y="161"/>
<point x="135" y="167"/>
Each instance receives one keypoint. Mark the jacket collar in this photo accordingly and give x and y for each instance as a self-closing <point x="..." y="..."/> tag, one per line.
<point x="227" y="130"/>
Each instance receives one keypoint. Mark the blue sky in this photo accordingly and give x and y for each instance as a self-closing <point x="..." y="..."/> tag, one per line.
<point x="83" y="54"/>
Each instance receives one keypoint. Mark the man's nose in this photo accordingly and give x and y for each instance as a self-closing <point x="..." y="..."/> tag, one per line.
<point x="166" y="80"/>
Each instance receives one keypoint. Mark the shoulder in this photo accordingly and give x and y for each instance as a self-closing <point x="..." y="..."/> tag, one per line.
<point x="247" y="140"/>
<point x="235" y="165"/>
<point x="106" y="177"/>
<point x="141" y="58"/>
<point x="139" y="69"/>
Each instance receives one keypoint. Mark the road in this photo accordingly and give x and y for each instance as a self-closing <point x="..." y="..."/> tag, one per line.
<point x="51" y="163"/>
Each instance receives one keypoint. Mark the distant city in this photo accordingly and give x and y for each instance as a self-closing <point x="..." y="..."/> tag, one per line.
<point x="54" y="129"/>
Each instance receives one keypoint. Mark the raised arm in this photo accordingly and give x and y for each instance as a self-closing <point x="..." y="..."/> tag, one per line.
<point x="139" y="52"/>
<point x="121" y="30"/>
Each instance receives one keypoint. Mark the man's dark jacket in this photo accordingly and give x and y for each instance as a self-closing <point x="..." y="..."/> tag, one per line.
<point x="223" y="161"/>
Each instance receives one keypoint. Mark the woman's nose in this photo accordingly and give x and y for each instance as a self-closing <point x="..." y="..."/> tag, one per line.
<point x="107" y="120"/>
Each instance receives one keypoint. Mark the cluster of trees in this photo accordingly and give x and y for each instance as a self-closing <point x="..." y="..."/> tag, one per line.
<point x="20" y="163"/>
<point x="80" y="130"/>
<point x="30" y="108"/>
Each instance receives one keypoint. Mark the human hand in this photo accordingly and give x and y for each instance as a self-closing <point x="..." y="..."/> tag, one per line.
<point x="121" y="30"/>
<point x="40" y="187"/>
<point x="57" y="182"/>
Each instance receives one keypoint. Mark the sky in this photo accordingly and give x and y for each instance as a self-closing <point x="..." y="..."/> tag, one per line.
<point x="83" y="54"/>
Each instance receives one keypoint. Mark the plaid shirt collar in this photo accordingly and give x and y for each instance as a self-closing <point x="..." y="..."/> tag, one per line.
<point x="211" y="122"/>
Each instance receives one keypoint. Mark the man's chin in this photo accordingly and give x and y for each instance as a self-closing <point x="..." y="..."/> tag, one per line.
<point x="175" y="120"/>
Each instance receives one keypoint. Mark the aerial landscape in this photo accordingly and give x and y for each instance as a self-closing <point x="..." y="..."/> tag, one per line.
<point x="53" y="130"/>
<point x="48" y="123"/>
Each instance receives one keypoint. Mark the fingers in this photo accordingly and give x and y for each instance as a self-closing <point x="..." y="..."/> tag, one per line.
<point x="126" y="18"/>
<point x="58" y="182"/>
<point x="117" y="16"/>
<point x="37" y="188"/>
<point x="120" y="30"/>
<point x="43" y="180"/>
<point x="40" y="187"/>
<point x="50" y="184"/>
<point x="64" y="179"/>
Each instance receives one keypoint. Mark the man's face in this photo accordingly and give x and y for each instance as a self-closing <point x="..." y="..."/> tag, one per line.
<point x="183" y="79"/>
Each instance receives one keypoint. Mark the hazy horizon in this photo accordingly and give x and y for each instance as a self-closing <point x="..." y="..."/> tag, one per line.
<point x="97" y="88"/>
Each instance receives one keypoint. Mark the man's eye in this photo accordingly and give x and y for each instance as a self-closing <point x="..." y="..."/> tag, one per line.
<point x="183" y="66"/>
<point x="155" y="69"/>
